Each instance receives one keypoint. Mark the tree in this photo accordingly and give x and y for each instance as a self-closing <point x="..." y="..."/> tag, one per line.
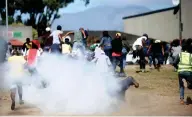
<point x="35" y="9"/>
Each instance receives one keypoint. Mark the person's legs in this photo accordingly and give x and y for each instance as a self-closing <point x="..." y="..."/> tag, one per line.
<point x="150" y="60"/>
<point x="20" y="92"/>
<point x="120" y="59"/>
<point x="183" y="76"/>
<point x="55" y="48"/>
<point x="114" y="62"/>
<point x="12" y="95"/>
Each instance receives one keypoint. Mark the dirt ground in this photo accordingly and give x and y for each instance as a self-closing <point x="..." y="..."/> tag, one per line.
<point x="158" y="94"/>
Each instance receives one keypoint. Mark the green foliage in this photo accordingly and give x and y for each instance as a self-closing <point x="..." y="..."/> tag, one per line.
<point x="10" y="21"/>
<point x="35" y="8"/>
<point x="35" y="33"/>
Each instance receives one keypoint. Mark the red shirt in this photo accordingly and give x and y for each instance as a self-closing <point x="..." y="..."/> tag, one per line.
<point x="31" y="56"/>
<point x="116" y="54"/>
<point x="35" y="41"/>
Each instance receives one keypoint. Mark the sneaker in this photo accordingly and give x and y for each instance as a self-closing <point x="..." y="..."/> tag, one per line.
<point x="21" y="102"/>
<point x="13" y="106"/>
<point x="143" y="71"/>
<point x="182" y="101"/>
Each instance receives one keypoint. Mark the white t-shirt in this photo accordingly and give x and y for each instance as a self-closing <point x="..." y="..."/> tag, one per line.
<point x="102" y="61"/>
<point x="138" y="42"/>
<point x="55" y="35"/>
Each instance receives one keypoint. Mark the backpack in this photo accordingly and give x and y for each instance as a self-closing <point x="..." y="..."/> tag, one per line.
<point x="86" y="33"/>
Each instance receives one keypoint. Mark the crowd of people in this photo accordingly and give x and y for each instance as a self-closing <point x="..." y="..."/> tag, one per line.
<point x="108" y="51"/>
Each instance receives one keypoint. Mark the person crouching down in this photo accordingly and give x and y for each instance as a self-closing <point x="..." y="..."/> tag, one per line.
<point x="124" y="86"/>
<point x="16" y="72"/>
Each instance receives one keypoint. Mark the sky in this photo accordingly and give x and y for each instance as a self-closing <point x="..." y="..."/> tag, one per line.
<point x="79" y="6"/>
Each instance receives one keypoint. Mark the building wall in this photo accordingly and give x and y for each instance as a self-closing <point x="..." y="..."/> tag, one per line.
<point x="17" y="32"/>
<point x="186" y="18"/>
<point x="163" y="25"/>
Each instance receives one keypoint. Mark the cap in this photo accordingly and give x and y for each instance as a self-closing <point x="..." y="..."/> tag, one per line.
<point x="157" y="41"/>
<point x="118" y="34"/>
<point x="48" y="29"/>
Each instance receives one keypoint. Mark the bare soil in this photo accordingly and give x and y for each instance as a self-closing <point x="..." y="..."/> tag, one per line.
<point x="158" y="95"/>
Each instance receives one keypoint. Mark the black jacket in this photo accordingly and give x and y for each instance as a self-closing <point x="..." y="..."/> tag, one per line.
<point x="117" y="45"/>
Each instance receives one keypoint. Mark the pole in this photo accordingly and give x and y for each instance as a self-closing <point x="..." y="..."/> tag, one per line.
<point x="180" y="21"/>
<point x="7" y="25"/>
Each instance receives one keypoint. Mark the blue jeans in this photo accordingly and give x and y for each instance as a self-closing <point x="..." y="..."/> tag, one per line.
<point x="188" y="77"/>
<point x="116" y="60"/>
<point x="79" y="45"/>
<point x="108" y="53"/>
<point x="150" y="60"/>
<point x="55" y="48"/>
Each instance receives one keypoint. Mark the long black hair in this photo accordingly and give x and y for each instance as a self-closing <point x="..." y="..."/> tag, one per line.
<point x="105" y="34"/>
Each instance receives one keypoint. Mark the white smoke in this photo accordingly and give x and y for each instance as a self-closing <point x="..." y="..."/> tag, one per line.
<point x="75" y="87"/>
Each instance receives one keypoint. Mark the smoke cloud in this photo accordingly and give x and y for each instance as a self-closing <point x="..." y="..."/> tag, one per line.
<point x="74" y="87"/>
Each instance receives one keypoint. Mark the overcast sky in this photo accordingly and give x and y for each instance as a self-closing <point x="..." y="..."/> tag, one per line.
<point x="152" y="4"/>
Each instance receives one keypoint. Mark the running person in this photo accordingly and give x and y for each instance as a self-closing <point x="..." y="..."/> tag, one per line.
<point x="16" y="73"/>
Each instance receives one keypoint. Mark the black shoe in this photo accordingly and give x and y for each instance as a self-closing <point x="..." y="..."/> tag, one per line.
<point x="13" y="106"/>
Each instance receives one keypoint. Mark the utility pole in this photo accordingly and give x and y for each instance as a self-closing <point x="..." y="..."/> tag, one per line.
<point x="180" y="21"/>
<point x="7" y="25"/>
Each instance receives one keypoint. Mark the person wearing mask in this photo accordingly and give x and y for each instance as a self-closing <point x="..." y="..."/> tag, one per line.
<point x="185" y="69"/>
<point x="157" y="51"/>
<point x="138" y="50"/>
<point x="117" y="54"/>
<point x="16" y="73"/>
<point x="55" y="47"/>
<point x="27" y="45"/>
<point x="106" y="42"/>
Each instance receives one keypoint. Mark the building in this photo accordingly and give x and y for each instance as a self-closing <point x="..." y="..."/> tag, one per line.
<point x="17" y="32"/>
<point x="161" y="24"/>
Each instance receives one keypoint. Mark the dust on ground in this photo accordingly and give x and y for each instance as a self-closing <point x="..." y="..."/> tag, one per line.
<point x="158" y="94"/>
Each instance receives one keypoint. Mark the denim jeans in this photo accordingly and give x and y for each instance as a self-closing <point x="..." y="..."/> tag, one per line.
<point x="55" y="48"/>
<point x="188" y="77"/>
<point x="150" y="60"/>
<point x="158" y="57"/>
<point x="79" y="45"/>
<point x="116" y="60"/>
<point x="108" y="53"/>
